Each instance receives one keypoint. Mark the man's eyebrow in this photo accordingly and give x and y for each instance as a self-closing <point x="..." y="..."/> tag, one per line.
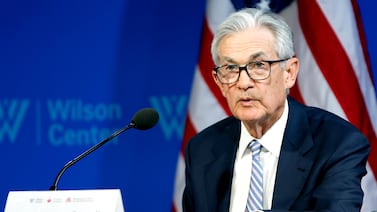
<point x="229" y="60"/>
<point x="252" y="57"/>
<point x="256" y="55"/>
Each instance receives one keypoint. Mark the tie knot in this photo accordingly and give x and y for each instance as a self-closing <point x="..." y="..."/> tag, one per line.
<point x="255" y="147"/>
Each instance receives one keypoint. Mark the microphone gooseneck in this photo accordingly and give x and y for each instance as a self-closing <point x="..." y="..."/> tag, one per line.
<point x="143" y="119"/>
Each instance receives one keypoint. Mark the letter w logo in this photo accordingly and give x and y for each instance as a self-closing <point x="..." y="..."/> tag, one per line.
<point x="12" y="113"/>
<point x="172" y="113"/>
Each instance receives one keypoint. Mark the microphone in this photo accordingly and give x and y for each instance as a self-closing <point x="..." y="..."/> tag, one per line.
<point x="144" y="119"/>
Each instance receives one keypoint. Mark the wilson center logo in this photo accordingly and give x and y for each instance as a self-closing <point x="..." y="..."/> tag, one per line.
<point x="172" y="111"/>
<point x="12" y="114"/>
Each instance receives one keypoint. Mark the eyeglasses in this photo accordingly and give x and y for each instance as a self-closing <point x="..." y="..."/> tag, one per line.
<point x="256" y="70"/>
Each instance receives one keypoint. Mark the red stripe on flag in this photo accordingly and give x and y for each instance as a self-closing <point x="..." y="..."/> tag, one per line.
<point x="173" y="209"/>
<point x="206" y="65"/>
<point x="337" y="69"/>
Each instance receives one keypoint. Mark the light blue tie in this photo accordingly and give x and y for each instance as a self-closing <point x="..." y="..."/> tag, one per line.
<point x="255" y="197"/>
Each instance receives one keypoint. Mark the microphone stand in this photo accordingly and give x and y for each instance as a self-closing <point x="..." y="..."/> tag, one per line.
<point x="54" y="186"/>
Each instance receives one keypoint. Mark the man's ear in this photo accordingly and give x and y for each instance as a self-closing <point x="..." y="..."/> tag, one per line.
<point x="291" y="72"/>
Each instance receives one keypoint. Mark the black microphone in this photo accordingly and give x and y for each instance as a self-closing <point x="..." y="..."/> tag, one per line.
<point x="142" y="120"/>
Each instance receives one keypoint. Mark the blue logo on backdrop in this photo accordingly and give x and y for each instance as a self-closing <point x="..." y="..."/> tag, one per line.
<point x="74" y="122"/>
<point x="172" y="111"/>
<point x="12" y="113"/>
<point x="77" y="110"/>
<point x="65" y="113"/>
<point x="69" y="122"/>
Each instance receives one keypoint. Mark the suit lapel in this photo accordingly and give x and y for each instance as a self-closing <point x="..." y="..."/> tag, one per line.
<point x="218" y="171"/>
<point x="293" y="166"/>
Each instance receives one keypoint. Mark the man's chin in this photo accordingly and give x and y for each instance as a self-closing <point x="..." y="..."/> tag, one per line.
<point x="248" y="114"/>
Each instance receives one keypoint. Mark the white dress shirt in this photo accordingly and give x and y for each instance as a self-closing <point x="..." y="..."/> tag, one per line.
<point x="271" y="143"/>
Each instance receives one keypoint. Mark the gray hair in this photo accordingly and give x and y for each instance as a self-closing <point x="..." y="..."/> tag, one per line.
<point x="250" y="18"/>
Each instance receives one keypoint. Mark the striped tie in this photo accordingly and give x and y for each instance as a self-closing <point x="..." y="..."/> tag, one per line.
<point x="255" y="198"/>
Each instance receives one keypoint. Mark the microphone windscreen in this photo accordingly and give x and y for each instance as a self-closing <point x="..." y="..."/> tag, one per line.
<point x="145" y="119"/>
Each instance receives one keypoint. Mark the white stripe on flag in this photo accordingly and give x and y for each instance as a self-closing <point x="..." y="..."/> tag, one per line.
<point x="204" y="108"/>
<point x="312" y="84"/>
<point x="179" y="184"/>
<point x="349" y="37"/>
<point x="369" y="186"/>
<point x="217" y="11"/>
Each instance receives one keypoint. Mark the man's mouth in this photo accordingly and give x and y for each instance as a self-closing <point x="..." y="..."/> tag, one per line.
<point x="247" y="101"/>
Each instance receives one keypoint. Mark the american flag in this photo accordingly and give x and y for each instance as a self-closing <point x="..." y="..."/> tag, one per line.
<point x="335" y="74"/>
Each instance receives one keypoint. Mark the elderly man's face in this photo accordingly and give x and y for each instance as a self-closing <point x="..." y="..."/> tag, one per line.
<point x="256" y="102"/>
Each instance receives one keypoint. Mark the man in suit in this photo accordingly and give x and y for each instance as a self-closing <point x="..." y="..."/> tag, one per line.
<point x="308" y="160"/>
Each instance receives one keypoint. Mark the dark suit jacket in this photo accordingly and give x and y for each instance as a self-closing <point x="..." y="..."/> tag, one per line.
<point x="321" y="163"/>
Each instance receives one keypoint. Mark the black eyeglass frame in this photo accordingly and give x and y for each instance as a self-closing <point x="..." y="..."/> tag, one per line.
<point x="240" y="68"/>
